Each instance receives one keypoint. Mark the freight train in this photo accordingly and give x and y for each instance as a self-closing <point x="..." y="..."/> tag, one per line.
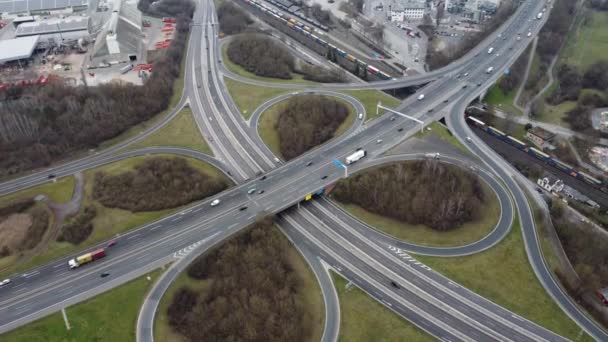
<point x="538" y="154"/>
<point x="306" y="35"/>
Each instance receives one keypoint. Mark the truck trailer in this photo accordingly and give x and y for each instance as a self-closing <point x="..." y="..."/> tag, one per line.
<point x="86" y="258"/>
<point x="355" y="156"/>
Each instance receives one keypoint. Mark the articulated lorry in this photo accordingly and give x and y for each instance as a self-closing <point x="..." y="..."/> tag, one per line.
<point x="355" y="156"/>
<point x="87" y="258"/>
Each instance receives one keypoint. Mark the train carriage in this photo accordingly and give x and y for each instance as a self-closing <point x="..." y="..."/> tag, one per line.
<point x="384" y="76"/>
<point x="517" y="143"/>
<point x="496" y="132"/>
<point x="538" y="154"/>
<point x="477" y="122"/>
<point x="588" y="179"/>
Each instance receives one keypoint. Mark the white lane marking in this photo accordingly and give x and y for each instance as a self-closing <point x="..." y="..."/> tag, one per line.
<point x="21" y="290"/>
<point x="387" y="303"/>
<point x="232" y="225"/>
<point x="27" y="275"/>
<point x="132" y="236"/>
<point x="155" y="227"/>
<point x="58" y="265"/>
<point x="176" y="219"/>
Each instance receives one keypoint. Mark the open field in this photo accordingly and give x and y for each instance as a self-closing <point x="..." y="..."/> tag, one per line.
<point x="237" y="69"/>
<point x="363" y="319"/>
<point x="503" y="275"/>
<point x="108" y="221"/>
<point x="59" y="192"/>
<point x="247" y="97"/>
<point x="268" y="122"/>
<point x="504" y="102"/>
<point x="110" y="316"/>
<point x="588" y="42"/>
<point x="309" y="297"/>
<point x="181" y="131"/>
<point x="370" y="98"/>
<point x="440" y="131"/>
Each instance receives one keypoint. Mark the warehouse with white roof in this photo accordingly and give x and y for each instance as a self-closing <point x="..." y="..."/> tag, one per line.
<point x="37" y="6"/>
<point x="18" y="49"/>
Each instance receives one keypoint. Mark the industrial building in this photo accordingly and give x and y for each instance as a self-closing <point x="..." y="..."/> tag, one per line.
<point x="54" y="32"/>
<point x="121" y="38"/>
<point x="401" y="10"/>
<point x="38" y="6"/>
<point x="18" y="49"/>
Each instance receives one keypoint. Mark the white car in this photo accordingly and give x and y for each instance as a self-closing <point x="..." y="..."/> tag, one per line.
<point x="215" y="202"/>
<point x="421" y="97"/>
<point x="469" y="139"/>
<point x="5" y="282"/>
<point x="529" y="34"/>
<point x="360" y="116"/>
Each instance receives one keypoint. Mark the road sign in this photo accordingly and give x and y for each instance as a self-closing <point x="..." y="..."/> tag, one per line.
<point x="338" y="163"/>
<point x="507" y="71"/>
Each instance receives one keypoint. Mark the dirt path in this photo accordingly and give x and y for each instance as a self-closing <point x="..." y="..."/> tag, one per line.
<point x="60" y="212"/>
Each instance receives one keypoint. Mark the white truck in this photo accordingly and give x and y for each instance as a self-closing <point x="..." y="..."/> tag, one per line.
<point x="489" y="70"/>
<point x="490" y="50"/>
<point x="355" y="156"/>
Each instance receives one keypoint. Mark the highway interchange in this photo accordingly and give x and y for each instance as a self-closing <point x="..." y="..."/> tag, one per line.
<point x="369" y="259"/>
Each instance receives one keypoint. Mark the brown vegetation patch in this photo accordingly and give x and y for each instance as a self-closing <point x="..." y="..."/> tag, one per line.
<point x="155" y="184"/>
<point x="254" y="293"/>
<point x="431" y="193"/>
<point x="261" y="55"/>
<point x="232" y="18"/>
<point x="307" y="121"/>
<point x="22" y="226"/>
<point x="79" y="228"/>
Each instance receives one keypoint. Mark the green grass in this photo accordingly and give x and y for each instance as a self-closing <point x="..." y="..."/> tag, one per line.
<point x="556" y="114"/>
<point x="363" y="319"/>
<point x="247" y="97"/>
<point x="502" y="101"/>
<point x="503" y="275"/>
<point x="423" y="235"/>
<point x="370" y="98"/>
<point x="181" y="131"/>
<point x="441" y="132"/>
<point x="109" y="221"/>
<point x="239" y="70"/>
<point x="311" y="297"/>
<point x="588" y="43"/>
<point x="269" y="119"/>
<point x="110" y="316"/>
<point x="59" y="191"/>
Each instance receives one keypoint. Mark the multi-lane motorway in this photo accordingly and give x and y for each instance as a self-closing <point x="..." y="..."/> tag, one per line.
<point x="370" y="260"/>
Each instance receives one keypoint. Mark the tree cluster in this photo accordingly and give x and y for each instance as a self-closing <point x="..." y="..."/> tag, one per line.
<point x="41" y="125"/>
<point x="232" y="18"/>
<point x="166" y="8"/>
<point x="428" y="192"/>
<point x="569" y="85"/>
<point x="306" y="121"/>
<point x="254" y="294"/>
<point x="320" y="74"/>
<point x="600" y="5"/>
<point x="155" y="184"/>
<point x="321" y="15"/>
<point x="584" y="246"/>
<point x="261" y="55"/>
<point x="79" y="228"/>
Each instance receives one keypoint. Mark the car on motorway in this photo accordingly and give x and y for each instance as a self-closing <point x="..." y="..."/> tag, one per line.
<point x="446" y="100"/>
<point x="400" y="129"/>
<point x="529" y="34"/>
<point x="250" y="191"/>
<point x="324" y="177"/>
<point x="261" y="191"/>
<point x="464" y="86"/>
<point x="5" y="282"/>
<point x="215" y="202"/>
<point x="263" y="177"/>
<point x="51" y="176"/>
<point x="420" y="97"/>
<point x="104" y="274"/>
<point x="395" y="285"/>
<point x="518" y="37"/>
<point x="393" y="118"/>
<point x="277" y="160"/>
<point x="430" y="110"/>
<point x="466" y="74"/>
<point x="242" y="208"/>
<point x="112" y="243"/>
<point x="379" y="141"/>
<point x="469" y="139"/>
<point x="309" y="163"/>
<point x="360" y="116"/>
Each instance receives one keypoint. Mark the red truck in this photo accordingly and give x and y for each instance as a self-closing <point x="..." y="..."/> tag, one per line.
<point x="86" y="258"/>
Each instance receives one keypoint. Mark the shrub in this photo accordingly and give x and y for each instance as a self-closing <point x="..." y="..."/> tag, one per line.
<point x="261" y="55"/>
<point x="232" y="18"/>
<point x="80" y="228"/>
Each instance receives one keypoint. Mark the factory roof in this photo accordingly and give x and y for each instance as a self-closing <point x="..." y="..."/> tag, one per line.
<point x="53" y="26"/>
<point x="18" y="6"/>
<point x="18" y="48"/>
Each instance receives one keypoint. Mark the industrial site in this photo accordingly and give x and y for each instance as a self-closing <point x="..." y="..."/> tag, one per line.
<point x="82" y="42"/>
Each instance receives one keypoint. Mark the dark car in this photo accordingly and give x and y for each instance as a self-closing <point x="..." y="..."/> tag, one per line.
<point x="446" y="101"/>
<point x="400" y="129"/>
<point x="395" y="285"/>
<point x="324" y="177"/>
<point x="430" y="110"/>
<point x="111" y="243"/>
<point x="51" y="176"/>
<point x="393" y="118"/>
<point x="479" y="84"/>
<point x="242" y="208"/>
<point x="104" y="274"/>
<point x="261" y="192"/>
<point x="263" y="177"/>
<point x="309" y="163"/>
<point x="464" y="86"/>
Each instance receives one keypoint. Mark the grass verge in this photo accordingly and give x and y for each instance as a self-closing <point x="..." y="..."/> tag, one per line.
<point x="364" y="319"/>
<point x="423" y="235"/>
<point x="370" y="98"/>
<point x="440" y="131"/>
<point x="503" y="275"/>
<point x="108" y="221"/>
<point x="59" y="191"/>
<point x="181" y="131"/>
<point x="504" y="102"/>
<point x="110" y="316"/>
<point x="248" y="98"/>
<point x="588" y="42"/>
<point x="269" y="119"/>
